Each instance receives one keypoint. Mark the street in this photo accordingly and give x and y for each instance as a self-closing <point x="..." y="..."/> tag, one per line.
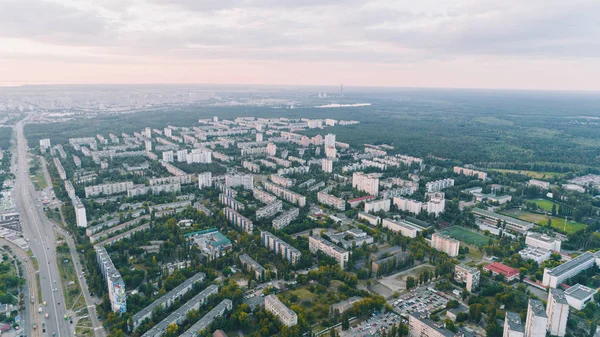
<point x="38" y="230"/>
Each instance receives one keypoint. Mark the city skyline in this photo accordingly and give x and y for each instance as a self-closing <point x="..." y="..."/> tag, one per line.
<point x="502" y="45"/>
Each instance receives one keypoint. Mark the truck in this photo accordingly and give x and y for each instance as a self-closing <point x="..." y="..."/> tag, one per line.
<point x="40" y="310"/>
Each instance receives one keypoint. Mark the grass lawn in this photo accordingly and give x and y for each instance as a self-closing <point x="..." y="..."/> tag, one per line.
<point x="467" y="236"/>
<point x="546" y="205"/>
<point x="72" y="292"/>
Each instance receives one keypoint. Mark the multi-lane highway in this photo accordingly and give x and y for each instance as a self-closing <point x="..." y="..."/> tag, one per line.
<point x="38" y="230"/>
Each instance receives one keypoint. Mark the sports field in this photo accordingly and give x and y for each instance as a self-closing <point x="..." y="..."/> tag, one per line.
<point x="467" y="236"/>
<point x="546" y="205"/>
<point x="542" y="219"/>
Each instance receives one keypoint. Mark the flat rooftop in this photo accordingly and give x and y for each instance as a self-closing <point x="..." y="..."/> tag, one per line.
<point x="567" y="266"/>
<point x="514" y="321"/>
<point x="580" y="292"/>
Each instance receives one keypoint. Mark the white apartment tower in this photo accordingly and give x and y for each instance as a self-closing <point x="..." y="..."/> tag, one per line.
<point x="327" y="165"/>
<point x="537" y="320"/>
<point x="513" y="327"/>
<point x="204" y="179"/>
<point x="259" y="137"/>
<point x="557" y="311"/>
<point x="168" y="156"/>
<point x="329" y="140"/>
<point x="366" y="182"/>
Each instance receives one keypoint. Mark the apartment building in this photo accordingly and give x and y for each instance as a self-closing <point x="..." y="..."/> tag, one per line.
<point x="183" y="180"/>
<point x="262" y="196"/>
<point x="438" y="185"/>
<point x="316" y="244"/>
<point x="285" y="218"/>
<point x="250" y="166"/>
<point x="470" y="276"/>
<point x="330" y="200"/>
<point x="61" y="170"/>
<point x="419" y="325"/>
<point x="114" y="281"/>
<point x="269" y="210"/>
<point x="244" y="180"/>
<point x="218" y="311"/>
<point x="330" y="152"/>
<point x="327" y="165"/>
<point x="168" y="299"/>
<point x="251" y="265"/>
<point x="285" y="194"/>
<point x="168" y="156"/>
<point x="378" y="205"/>
<point x="445" y="244"/>
<point x="513" y="327"/>
<point x="366" y="182"/>
<point x="402" y="226"/>
<point x="179" y="315"/>
<point x="557" y="311"/>
<point x="536" y="322"/>
<point x="204" y="179"/>
<point x="80" y="214"/>
<point x="231" y="202"/>
<point x="238" y="220"/>
<point x="285" y="315"/>
<point x="329" y="140"/>
<point x="280" y="247"/>
<point x="470" y="172"/>
<point x="283" y="181"/>
<point x="108" y="189"/>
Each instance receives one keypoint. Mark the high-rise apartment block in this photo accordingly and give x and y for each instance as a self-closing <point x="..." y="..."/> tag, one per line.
<point x="366" y="182"/>
<point x="557" y="311"/>
<point x="537" y="320"/>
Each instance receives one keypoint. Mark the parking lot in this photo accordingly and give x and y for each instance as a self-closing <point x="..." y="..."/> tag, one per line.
<point x="372" y="326"/>
<point x="422" y="299"/>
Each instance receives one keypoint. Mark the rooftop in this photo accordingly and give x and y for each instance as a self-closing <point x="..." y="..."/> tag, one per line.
<point x="502" y="217"/>
<point x="497" y="267"/>
<point x="567" y="266"/>
<point x="514" y="321"/>
<point x="542" y="237"/>
<point x="559" y="295"/>
<point x="421" y="316"/>
<point x="580" y="292"/>
<point x="537" y="307"/>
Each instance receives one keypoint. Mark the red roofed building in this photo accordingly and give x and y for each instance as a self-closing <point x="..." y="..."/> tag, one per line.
<point x="509" y="273"/>
<point x="356" y="201"/>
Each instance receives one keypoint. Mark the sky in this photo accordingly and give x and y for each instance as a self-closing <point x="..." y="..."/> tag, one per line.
<point x="509" y="44"/>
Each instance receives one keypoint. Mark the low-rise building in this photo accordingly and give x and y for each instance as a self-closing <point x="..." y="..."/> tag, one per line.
<point x="373" y="220"/>
<point x="538" y="255"/>
<point x="557" y="275"/>
<point x="353" y="237"/>
<point x="211" y="242"/>
<point x="543" y="241"/>
<point x="285" y="315"/>
<point x="510" y="274"/>
<point x="251" y="265"/>
<point x="578" y="296"/>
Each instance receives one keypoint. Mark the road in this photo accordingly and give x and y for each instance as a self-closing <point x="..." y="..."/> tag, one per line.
<point x="38" y="230"/>
<point x="90" y="302"/>
<point x="31" y="316"/>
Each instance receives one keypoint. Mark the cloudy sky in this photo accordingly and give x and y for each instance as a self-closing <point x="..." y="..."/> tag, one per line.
<point x="530" y="44"/>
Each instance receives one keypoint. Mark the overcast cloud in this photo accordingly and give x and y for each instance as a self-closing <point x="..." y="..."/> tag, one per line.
<point x="368" y="34"/>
